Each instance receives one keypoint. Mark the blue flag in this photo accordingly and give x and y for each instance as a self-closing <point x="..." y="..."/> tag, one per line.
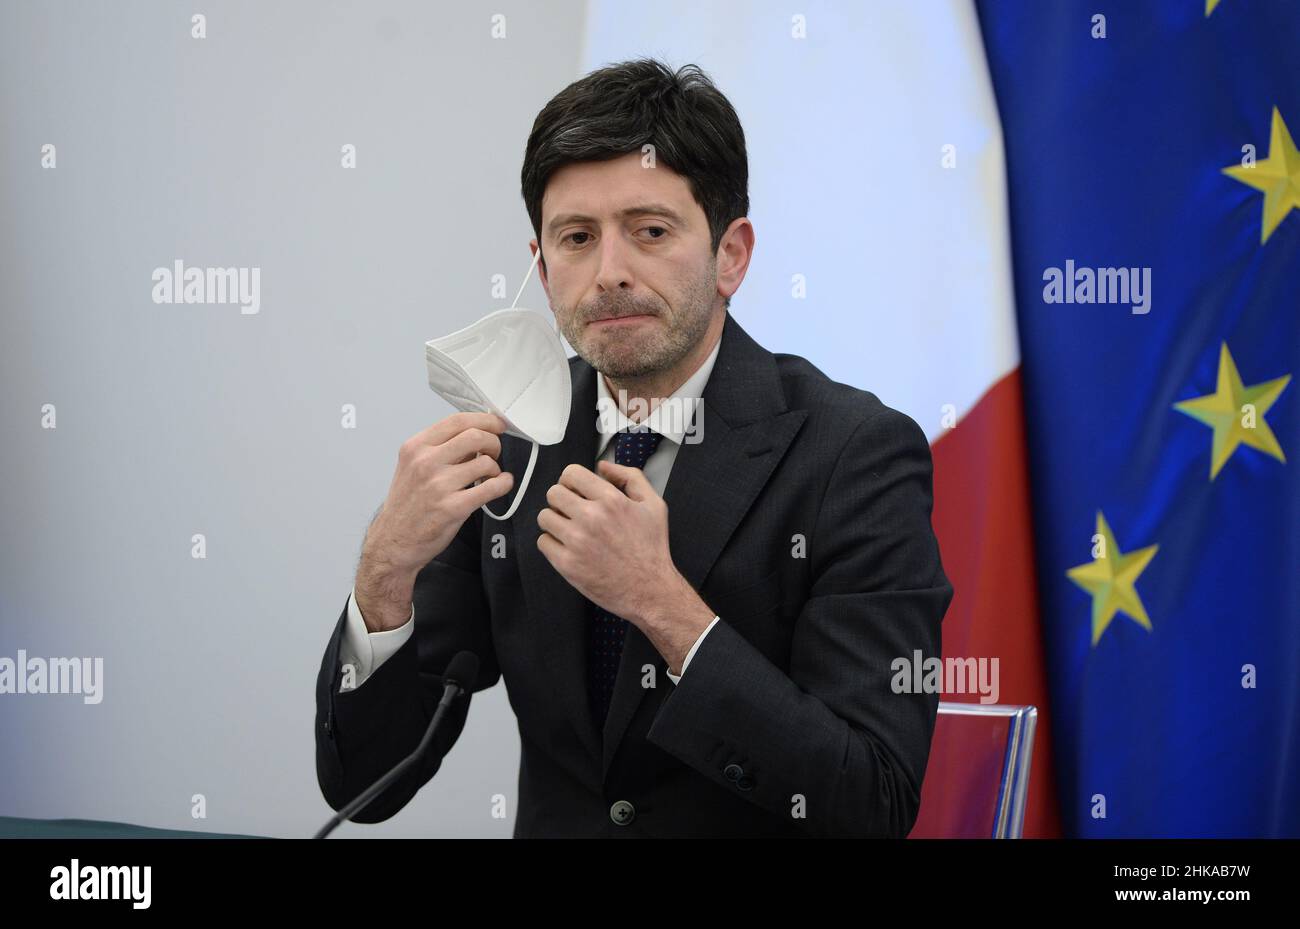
<point x="1154" y="186"/>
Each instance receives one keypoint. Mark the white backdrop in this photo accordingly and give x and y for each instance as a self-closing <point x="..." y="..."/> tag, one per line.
<point x="905" y="262"/>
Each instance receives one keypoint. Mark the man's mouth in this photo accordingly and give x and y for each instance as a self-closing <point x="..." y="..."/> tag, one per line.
<point x="615" y="320"/>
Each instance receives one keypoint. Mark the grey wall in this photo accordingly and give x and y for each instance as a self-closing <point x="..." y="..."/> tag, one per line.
<point x="174" y="420"/>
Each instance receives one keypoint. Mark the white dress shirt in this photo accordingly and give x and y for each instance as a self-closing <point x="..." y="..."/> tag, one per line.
<point x="366" y="651"/>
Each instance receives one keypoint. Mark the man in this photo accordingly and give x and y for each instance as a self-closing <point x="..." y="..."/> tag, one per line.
<point x="694" y="616"/>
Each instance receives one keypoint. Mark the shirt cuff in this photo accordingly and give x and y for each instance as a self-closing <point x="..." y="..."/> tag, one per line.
<point x="366" y="650"/>
<point x="676" y="678"/>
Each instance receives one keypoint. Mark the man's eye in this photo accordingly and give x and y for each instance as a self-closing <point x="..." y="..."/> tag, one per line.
<point x="569" y="237"/>
<point x="660" y="228"/>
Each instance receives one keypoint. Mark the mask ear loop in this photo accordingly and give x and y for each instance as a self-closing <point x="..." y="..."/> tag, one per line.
<point x="523" y="486"/>
<point x="536" y="255"/>
<point x="532" y="457"/>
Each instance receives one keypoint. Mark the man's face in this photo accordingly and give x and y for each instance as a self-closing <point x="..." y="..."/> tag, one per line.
<point x="629" y="273"/>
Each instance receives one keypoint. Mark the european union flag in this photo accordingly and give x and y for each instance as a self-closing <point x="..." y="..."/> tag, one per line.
<point x="1155" y="202"/>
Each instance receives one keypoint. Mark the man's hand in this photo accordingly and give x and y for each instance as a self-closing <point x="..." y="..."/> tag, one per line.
<point x="432" y="494"/>
<point x="606" y="533"/>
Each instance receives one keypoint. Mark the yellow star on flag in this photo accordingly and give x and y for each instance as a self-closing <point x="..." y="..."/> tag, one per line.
<point x="1110" y="579"/>
<point x="1278" y="176"/>
<point x="1236" y="413"/>
<point x="1210" y="5"/>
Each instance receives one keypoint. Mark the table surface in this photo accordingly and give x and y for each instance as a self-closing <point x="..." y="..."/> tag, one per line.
<point x="16" y="828"/>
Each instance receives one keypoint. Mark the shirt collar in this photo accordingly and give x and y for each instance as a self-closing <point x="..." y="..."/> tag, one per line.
<point x="670" y="418"/>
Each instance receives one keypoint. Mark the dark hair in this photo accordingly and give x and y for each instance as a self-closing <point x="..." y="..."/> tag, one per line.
<point x="621" y="107"/>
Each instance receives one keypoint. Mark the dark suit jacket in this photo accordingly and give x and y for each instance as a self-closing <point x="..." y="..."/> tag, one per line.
<point x="784" y="723"/>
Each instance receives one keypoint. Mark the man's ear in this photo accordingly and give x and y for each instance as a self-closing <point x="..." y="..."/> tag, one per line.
<point x="541" y="269"/>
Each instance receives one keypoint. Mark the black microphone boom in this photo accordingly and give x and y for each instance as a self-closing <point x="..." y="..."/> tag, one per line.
<point x="459" y="678"/>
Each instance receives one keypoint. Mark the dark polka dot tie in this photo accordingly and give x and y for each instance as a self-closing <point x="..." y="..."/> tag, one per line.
<point x="608" y="631"/>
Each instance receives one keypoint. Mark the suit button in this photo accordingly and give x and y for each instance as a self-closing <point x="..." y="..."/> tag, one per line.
<point x="745" y="782"/>
<point x="733" y="772"/>
<point x="622" y="812"/>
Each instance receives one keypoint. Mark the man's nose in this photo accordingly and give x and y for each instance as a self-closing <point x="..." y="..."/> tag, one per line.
<point x="615" y="270"/>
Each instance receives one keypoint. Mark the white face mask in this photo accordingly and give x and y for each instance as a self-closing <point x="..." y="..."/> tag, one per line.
<point x="510" y="363"/>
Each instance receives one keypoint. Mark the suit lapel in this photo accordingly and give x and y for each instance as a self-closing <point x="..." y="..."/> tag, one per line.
<point x="743" y="431"/>
<point x="711" y="487"/>
<point x="553" y="603"/>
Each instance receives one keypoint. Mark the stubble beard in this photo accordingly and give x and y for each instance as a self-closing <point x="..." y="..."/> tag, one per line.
<point x="647" y="348"/>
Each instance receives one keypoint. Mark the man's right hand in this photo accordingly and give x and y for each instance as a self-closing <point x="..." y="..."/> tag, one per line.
<point x="431" y="496"/>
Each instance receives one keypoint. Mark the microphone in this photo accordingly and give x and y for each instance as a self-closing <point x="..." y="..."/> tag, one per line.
<point x="459" y="678"/>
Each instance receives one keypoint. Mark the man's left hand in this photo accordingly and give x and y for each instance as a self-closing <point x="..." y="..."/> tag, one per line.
<point x="606" y="533"/>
